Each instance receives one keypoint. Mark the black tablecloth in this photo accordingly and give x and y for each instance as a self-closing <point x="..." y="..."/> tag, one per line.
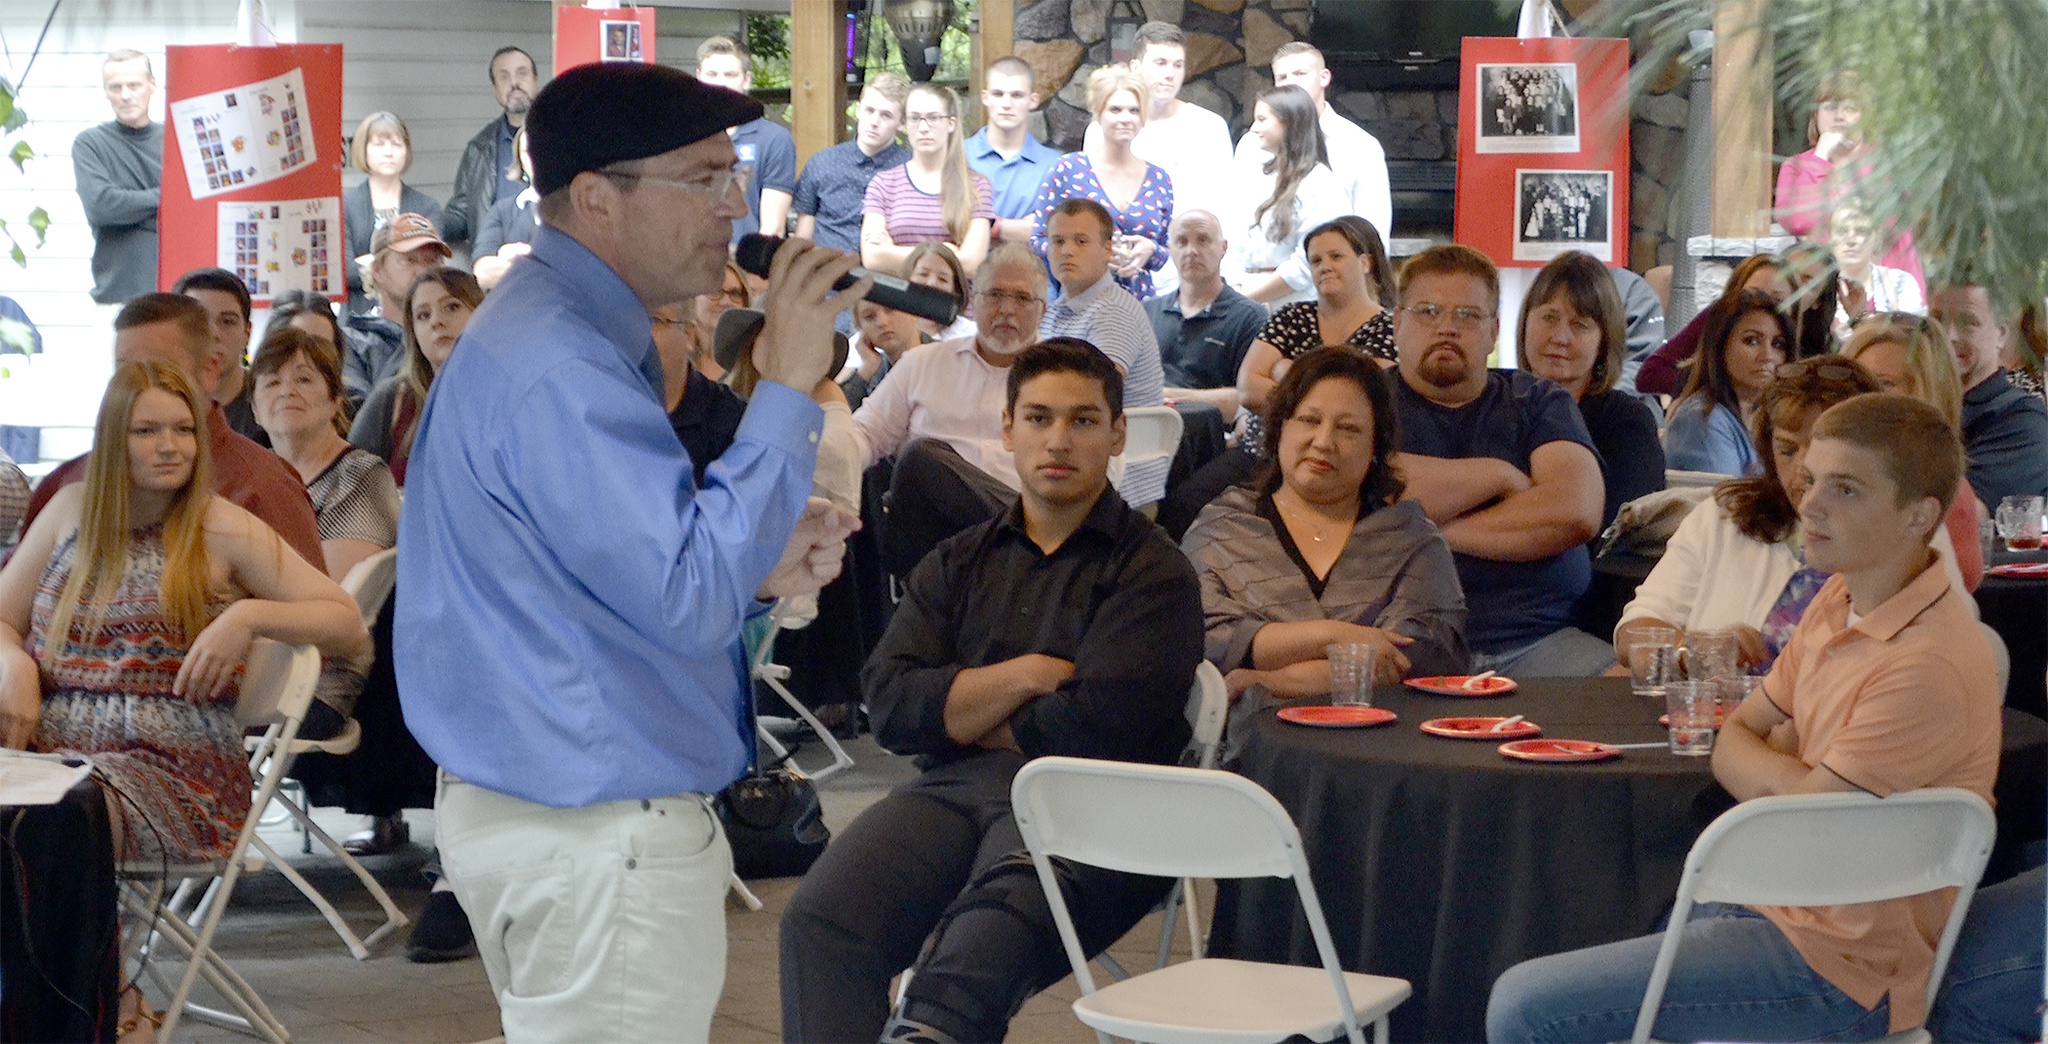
<point x="60" y="949"/>
<point x="2016" y="609"/>
<point x="1444" y="863"/>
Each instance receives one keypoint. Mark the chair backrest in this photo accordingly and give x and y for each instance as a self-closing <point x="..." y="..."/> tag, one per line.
<point x="1150" y="433"/>
<point x="277" y="683"/>
<point x="1208" y="706"/>
<point x="371" y="581"/>
<point x="1834" y="849"/>
<point x="1676" y="479"/>
<point x="2001" y="657"/>
<point x="1164" y="821"/>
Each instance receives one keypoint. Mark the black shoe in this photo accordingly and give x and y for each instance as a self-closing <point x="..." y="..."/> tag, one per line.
<point x="442" y="934"/>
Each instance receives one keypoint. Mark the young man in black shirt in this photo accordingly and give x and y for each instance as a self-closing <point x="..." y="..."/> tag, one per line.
<point x="1067" y="625"/>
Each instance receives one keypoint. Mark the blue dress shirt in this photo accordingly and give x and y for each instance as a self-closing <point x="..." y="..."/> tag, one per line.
<point x="1016" y="179"/>
<point x="567" y="628"/>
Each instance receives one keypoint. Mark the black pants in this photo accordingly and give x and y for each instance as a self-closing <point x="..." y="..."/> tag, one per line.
<point x="934" y="494"/>
<point x="939" y="857"/>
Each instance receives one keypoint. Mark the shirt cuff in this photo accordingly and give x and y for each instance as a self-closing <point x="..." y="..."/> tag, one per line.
<point x="783" y="417"/>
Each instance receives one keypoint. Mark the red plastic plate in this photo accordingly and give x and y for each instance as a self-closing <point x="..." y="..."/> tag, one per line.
<point x="2021" y="570"/>
<point x="1559" y="750"/>
<point x="1454" y="685"/>
<point x="1480" y="728"/>
<point x="1347" y="717"/>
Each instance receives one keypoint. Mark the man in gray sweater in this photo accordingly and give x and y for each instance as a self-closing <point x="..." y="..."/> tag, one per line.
<point x="119" y="168"/>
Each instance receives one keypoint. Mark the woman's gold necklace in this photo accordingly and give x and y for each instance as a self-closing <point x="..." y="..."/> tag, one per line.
<point x="1315" y="533"/>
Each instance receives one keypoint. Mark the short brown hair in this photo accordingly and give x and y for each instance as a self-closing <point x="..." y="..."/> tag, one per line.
<point x="1294" y="47"/>
<point x="1073" y="205"/>
<point x="725" y="45"/>
<point x="187" y="314"/>
<point x="281" y="346"/>
<point x="379" y="122"/>
<point x="1157" y="33"/>
<point x="1450" y="259"/>
<point x="1921" y="451"/>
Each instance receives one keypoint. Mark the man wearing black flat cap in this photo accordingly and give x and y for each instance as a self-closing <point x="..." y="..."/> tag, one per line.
<point x="570" y="599"/>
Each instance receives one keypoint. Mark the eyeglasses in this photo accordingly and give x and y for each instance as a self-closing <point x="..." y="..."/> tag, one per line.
<point x="1461" y="317"/>
<point x="927" y="119"/>
<point x="1009" y="298"/>
<point x="717" y="185"/>
<point x="1817" y="369"/>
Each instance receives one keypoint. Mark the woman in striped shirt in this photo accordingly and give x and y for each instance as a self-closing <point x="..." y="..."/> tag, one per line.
<point x="933" y="198"/>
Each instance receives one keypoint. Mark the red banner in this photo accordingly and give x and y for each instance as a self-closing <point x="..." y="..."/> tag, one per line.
<point x="595" y="34"/>
<point x="1543" y="159"/>
<point x="252" y="166"/>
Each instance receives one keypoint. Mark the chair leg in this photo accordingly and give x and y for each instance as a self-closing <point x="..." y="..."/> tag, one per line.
<point x="771" y="675"/>
<point x="201" y="961"/>
<point x="356" y="947"/>
<point x="394" y="918"/>
<point x="1379" y="1030"/>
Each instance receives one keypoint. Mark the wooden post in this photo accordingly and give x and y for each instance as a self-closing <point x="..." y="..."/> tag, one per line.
<point x="1742" y="121"/>
<point x="997" y="39"/>
<point x="817" y="75"/>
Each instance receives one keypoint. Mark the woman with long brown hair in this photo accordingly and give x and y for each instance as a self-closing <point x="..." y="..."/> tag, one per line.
<point x="1741" y="346"/>
<point x="126" y="612"/>
<point x="1291" y="193"/>
<point x="436" y="309"/>
<point x="933" y="197"/>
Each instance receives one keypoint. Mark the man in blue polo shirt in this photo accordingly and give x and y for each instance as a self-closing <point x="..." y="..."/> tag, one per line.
<point x="1004" y="151"/>
<point x="834" y="183"/>
<point x="567" y="631"/>
<point x="766" y="150"/>
<point x="1502" y="462"/>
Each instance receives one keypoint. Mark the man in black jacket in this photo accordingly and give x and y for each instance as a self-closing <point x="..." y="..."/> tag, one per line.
<point x="482" y="178"/>
<point x="1067" y="625"/>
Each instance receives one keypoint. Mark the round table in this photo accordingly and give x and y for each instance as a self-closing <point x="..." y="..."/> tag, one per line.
<point x="1444" y="863"/>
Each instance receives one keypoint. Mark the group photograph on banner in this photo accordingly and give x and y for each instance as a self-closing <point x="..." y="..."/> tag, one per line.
<point x="250" y="184"/>
<point x="1543" y="154"/>
<point x="584" y="35"/>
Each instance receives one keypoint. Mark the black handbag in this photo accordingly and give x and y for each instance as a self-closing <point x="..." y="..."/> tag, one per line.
<point x="774" y="823"/>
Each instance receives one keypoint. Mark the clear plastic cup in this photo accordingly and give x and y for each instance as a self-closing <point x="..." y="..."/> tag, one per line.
<point x="1690" y="708"/>
<point x="1653" y="663"/>
<point x="2019" y="522"/>
<point x="1351" y="667"/>
<point x="1711" y="654"/>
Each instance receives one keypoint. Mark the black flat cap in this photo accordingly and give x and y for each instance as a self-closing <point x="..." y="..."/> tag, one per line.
<point x="608" y="112"/>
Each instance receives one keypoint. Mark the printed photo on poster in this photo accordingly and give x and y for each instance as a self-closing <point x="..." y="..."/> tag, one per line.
<point x="1561" y="210"/>
<point x="621" y="41"/>
<point x="1528" y="108"/>
<point x="284" y="245"/>
<point x="243" y="136"/>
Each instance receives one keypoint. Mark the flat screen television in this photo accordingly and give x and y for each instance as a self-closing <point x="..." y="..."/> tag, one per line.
<point x="1394" y="44"/>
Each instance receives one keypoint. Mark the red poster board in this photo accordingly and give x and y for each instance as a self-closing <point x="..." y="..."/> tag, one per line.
<point x="595" y="34"/>
<point x="252" y="166"/>
<point x="1543" y="149"/>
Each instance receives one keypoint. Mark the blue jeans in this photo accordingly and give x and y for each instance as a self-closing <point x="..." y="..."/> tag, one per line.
<point x="1992" y="990"/>
<point x="1736" y="978"/>
<point x="1564" y="653"/>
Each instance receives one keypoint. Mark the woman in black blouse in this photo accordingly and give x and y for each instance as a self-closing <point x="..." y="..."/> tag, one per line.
<point x="1571" y="332"/>
<point x="382" y="149"/>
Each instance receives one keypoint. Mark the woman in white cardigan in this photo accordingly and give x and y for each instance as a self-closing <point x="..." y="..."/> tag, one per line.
<point x="1735" y="562"/>
<point x="1292" y="191"/>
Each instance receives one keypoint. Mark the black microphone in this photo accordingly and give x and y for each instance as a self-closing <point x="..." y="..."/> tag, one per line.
<point x="755" y="251"/>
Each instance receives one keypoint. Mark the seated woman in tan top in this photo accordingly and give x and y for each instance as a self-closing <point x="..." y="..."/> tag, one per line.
<point x="1320" y="548"/>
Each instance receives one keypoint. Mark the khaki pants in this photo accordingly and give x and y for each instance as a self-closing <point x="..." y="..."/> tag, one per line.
<point x="599" y="923"/>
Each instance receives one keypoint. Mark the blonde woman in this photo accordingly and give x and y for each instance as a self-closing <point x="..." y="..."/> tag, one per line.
<point x="154" y="587"/>
<point x="382" y="149"/>
<point x="935" y="197"/>
<point x="1911" y="356"/>
<point x="436" y="311"/>
<point x="1138" y="195"/>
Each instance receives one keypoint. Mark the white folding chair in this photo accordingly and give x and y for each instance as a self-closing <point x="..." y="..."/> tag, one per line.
<point x="1169" y="821"/>
<point x="2001" y="657"/>
<point x="277" y="685"/>
<point x="1150" y="433"/>
<point x="370" y="583"/>
<point x="1829" y="850"/>
<point x="1208" y="706"/>
<point x="772" y="674"/>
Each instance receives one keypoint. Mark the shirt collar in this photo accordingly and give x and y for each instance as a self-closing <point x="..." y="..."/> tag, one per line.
<point x="1887" y="620"/>
<point x="1087" y="298"/>
<point x="601" y="297"/>
<point x="1034" y="151"/>
<point x="1106" y="518"/>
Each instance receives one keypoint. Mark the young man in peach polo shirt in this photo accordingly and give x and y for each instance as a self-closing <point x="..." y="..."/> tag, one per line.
<point x="1887" y="685"/>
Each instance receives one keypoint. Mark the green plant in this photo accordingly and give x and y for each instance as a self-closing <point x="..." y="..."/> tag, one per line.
<point x="12" y="120"/>
<point x="1958" y="104"/>
<point x="768" y="41"/>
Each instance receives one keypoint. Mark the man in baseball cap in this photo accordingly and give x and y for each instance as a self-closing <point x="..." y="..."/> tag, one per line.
<point x="401" y="250"/>
<point x="567" y="631"/>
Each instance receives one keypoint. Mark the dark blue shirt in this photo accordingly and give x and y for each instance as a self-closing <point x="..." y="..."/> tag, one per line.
<point x="508" y="181"/>
<point x="835" y="184"/>
<point x="2005" y="435"/>
<point x="1205" y="350"/>
<point x="766" y="149"/>
<point x="1511" y="605"/>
